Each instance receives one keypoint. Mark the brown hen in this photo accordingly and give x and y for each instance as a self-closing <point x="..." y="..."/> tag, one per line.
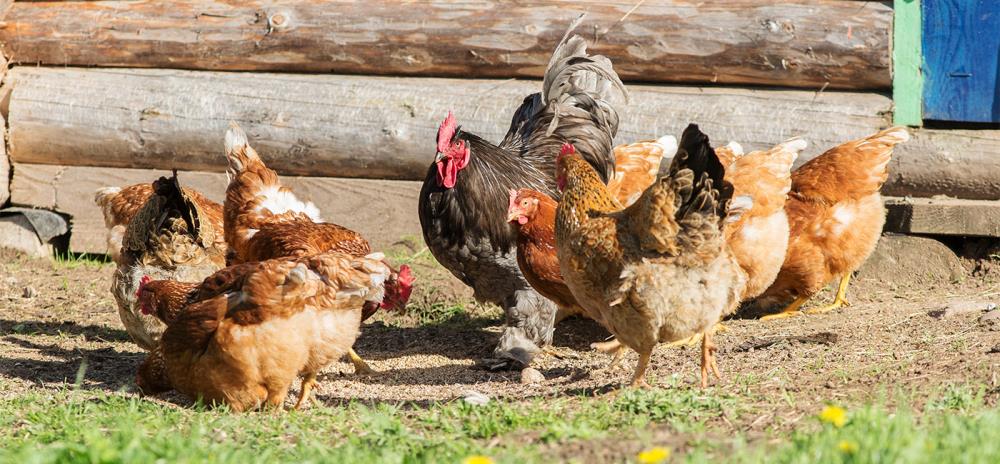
<point x="171" y="236"/>
<point x="244" y="335"/>
<point x="265" y="220"/>
<point x="657" y="271"/>
<point x="836" y="215"/>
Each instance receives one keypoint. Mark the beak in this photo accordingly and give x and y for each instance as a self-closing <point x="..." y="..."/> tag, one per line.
<point x="438" y="157"/>
<point x="513" y="214"/>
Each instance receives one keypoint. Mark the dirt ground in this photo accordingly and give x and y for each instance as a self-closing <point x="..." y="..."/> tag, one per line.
<point x="59" y="324"/>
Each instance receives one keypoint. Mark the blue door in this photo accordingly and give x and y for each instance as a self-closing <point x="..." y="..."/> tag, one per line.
<point x="961" y="48"/>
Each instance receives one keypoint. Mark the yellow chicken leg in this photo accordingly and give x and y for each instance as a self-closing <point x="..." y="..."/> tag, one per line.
<point x="791" y="310"/>
<point x="360" y="366"/>
<point x="839" y="301"/>
<point x="639" y="378"/>
<point x="694" y="339"/>
<point x="708" y="359"/>
<point x="307" y="385"/>
<point x="612" y="347"/>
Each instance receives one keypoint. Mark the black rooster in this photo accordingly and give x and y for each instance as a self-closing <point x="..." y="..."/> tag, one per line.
<point x="464" y="198"/>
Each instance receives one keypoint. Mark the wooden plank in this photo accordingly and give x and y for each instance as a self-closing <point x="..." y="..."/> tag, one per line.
<point x="834" y="44"/>
<point x="352" y="126"/>
<point x="384" y="211"/>
<point x="943" y="216"/>
<point x="961" y="39"/>
<point x="957" y="163"/>
<point x="907" y="79"/>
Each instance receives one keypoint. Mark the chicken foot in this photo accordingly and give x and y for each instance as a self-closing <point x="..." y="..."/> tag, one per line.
<point x="791" y="310"/>
<point x="694" y="339"/>
<point x="839" y="301"/>
<point x="360" y="366"/>
<point x="612" y="347"/>
<point x="307" y="385"/>
<point x="708" y="359"/>
<point x="639" y="378"/>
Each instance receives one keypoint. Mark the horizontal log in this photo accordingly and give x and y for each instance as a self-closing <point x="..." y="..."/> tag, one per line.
<point x="384" y="211"/>
<point x="369" y="127"/>
<point x="800" y="43"/>
<point x="350" y="126"/>
<point x="943" y="216"/>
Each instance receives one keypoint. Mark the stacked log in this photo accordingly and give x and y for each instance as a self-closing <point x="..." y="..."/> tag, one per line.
<point x="119" y="92"/>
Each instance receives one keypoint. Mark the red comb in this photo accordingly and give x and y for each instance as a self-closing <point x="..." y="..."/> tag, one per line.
<point x="405" y="276"/>
<point x="445" y="132"/>
<point x="566" y="149"/>
<point x="142" y="283"/>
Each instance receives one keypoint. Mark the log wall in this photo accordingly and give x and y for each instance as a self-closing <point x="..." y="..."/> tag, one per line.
<point x="800" y="43"/>
<point x="384" y="211"/>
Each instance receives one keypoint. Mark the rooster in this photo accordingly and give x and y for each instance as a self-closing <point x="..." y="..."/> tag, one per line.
<point x="461" y="204"/>
<point x="173" y="235"/>
<point x="265" y="220"/>
<point x="836" y="216"/>
<point x="244" y="334"/>
<point x="659" y="270"/>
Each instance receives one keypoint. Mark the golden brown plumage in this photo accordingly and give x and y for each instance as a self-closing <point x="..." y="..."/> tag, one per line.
<point x="533" y="214"/>
<point x="659" y="270"/>
<point x="836" y="215"/>
<point x="250" y="330"/>
<point x="759" y="238"/>
<point x="173" y="236"/>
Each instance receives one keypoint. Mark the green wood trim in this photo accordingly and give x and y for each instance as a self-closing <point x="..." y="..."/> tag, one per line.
<point x="907" y="78"/>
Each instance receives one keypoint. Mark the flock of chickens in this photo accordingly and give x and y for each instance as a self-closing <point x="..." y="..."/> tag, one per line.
<point x="236" y="301"/>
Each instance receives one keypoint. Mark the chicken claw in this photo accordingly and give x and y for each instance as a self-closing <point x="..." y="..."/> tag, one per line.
<point x="693" y="340"/>
<point x="560" y="353"/>
<point x="360" y="366"/>
<point x="791" y="310"/>
<point x="708" y="359"/>
<point x="839" y="301"/>
<point x="307" y="385"/>
<point x="612" y="347"/>
<point x="639" y="378"/>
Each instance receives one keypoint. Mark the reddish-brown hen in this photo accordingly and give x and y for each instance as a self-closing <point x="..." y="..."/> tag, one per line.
<point x="836" y="215"/>
<point x="246" y="333"/>
<point x="265" y="220"/>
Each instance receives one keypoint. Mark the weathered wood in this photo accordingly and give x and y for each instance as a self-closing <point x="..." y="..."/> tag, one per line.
<point x="943" y="216"/>
<point x="957" y="163"/>
<point x="384" y="211"/>
<point x="4" y="165"/>
<point x="802" y="43"/>
<point x="350" y="126"/>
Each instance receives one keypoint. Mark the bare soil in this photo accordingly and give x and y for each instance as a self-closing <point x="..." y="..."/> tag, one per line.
<point x="59" y="325"/>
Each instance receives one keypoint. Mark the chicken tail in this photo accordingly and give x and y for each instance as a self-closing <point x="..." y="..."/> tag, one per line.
<point x="239" y="153"/>
<point x="636" y="167"/>
<point x="175" y="200"/>
<point x="850" y="170"/>
<point x="104" y="197"/>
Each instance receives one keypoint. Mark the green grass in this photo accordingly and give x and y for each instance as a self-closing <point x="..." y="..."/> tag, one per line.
<point x="73" y="426"/>
<point x="954" y="426"/>
<point x="77" y="260"/>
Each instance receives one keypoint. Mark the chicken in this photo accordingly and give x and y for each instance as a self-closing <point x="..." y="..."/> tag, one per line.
<point x="835" y="215"/>
<point x="659" y="270"/>
<point x="173" y="235"/>
<point x="120" y="204"/>
<point x="246" y="333"/>
<point x="759" y="239"/>
<point x="461" y="204"/>
<point x="265" y="220"/>
<point x="533" y="215"/>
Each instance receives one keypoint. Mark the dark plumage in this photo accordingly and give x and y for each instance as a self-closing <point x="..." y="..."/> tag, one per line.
<point x="464" y="224"/>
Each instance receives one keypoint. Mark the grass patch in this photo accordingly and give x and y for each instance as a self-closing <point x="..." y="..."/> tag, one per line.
<point x="74" y="426"/>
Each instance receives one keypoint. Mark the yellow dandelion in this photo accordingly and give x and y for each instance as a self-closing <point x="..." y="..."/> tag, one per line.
<point x="847" y="447"/>
<point x="654" y="455"/>
<point x="478" y="459"/>
<point x="835" y="415"/>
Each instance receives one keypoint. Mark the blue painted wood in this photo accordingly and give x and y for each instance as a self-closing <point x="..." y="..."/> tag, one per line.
<point x="961" y="46"/>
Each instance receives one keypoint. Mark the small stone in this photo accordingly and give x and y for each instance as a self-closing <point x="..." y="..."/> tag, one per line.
<point x="475" y="398"/>
<point x="29" y="292"/>
<point x="991" y="319"/>
<point x="530" y="375"/>
<point x="955" y="308"/>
